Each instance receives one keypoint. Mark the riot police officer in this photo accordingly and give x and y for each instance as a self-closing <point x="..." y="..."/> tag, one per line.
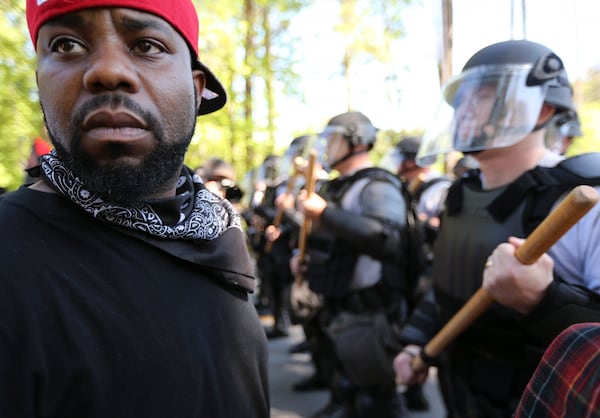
<point x="427" y="190"/>
<point x="355" y="262"/>
<point x="498" y="109"/>
<point x="272" y="256"/>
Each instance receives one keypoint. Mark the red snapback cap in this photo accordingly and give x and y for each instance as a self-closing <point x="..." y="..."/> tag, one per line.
<point x="41" y="147"/>
<point x="180" y="14"/>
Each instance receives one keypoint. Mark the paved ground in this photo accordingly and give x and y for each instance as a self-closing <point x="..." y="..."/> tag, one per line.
<point x="285" y="369"/>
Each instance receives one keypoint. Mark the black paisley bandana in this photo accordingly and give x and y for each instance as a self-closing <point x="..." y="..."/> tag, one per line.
<point x="209" y="217"/>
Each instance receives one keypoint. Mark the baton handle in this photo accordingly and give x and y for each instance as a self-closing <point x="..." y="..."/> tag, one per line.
<point x="577" y="203"/>
<point x="290" y="186"/>
<point x="306" y="225"/>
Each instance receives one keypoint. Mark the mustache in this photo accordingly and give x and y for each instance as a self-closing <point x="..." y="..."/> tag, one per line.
<point x="114" y="101"/>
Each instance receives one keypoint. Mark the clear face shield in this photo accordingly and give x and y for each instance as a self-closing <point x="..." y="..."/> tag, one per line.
<point x="333" y="144"/>
<point x="483" y="108"/>
<point x="555" y="138"/>
<point x="298" y="154"/>
<point x="559" y="133"/>
<point x="268" y="173"/>
<point x="392" y="160"/>
<point x="295" y="161"/>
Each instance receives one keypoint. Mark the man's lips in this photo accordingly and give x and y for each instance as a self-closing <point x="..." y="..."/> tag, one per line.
<point x="114" y="126"/>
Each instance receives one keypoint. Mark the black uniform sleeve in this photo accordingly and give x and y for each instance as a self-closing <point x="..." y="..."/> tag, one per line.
<point x="424" y="322"/>
<point x="563" y="305"/>
<point x="293" y="216"/>
<point x="376" y="231"/>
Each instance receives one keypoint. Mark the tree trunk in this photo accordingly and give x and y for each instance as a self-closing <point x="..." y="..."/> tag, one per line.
<point x="445" y="64"/>
<point x="249" y="58"/>
<point x="268" y="68"/>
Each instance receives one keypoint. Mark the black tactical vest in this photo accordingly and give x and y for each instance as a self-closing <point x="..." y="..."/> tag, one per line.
<point x="332" y="261"/>
<point x="475" y="222"/>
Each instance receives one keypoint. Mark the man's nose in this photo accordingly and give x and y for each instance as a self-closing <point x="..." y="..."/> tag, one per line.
<point x="111" y="67"/>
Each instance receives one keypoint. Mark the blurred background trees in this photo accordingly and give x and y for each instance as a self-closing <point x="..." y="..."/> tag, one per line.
<point x="20" y="117"/>
<point x="250" y="46"/>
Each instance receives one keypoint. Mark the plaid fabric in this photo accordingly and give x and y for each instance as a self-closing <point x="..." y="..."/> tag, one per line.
<point x="567" y="380"/>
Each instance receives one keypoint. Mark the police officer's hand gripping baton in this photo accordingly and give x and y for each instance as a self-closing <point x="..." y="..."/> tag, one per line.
<point x="289" y="189"/>
<point x="577" y="203"/>
<point x="311" y="179"/>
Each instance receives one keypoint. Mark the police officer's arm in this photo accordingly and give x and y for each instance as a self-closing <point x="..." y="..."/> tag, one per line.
<point x="547" y="303"/>
<point x="422" y="325"/>
<point x="375" y="231"/>
<point x="563" y="304"/>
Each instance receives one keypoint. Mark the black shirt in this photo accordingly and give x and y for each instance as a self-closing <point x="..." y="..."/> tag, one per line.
<point x="98" y="323"/>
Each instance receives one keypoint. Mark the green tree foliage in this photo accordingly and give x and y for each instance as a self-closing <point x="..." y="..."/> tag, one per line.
<point x="591" y="88"/>
<point x="20" y="116"/>
<point x="247" y="44"/>
<point x="589" y="114"/>
<point x="368" y="27"/>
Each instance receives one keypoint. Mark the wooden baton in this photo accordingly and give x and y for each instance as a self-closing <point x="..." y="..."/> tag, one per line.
<point x="575" y="205"/>
<point x="306" y="225"/>
<point x="290" y="186"/>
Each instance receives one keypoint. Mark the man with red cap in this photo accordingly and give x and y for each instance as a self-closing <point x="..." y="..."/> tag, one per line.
<point x="125" y="283"/>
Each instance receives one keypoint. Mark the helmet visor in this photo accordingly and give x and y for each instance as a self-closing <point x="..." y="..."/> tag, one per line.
<point x="332" y="144"/>
<point x="485" y="107"/>
<point x="269" y="172"/>
<point x="297" y="155"/>
<point x="392" y="160"/>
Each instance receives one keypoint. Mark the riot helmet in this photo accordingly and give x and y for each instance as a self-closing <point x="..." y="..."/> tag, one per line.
<point x="265" y="176"/>
<point x="405" y="150"/>
<point x="561" y="130"/>
<point x="299" y="148"/>
<point x="347" y="134"/>
<point x="497" y="98"/>
<point x="269" y="172"/>
<point x="408" y="147"/>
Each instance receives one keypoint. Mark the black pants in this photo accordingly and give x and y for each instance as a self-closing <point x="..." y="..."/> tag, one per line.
<point x="474" y="386"/>
<point x="381" y="402"/>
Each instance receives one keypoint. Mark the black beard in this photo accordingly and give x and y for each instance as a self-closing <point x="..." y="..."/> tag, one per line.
<point x="121" y="183"/>
<point x="125" y="184"/>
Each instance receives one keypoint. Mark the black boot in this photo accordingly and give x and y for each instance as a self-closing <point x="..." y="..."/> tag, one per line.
<point x="387" y="404"/>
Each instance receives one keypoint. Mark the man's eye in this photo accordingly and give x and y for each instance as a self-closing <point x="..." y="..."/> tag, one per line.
<point x="66" y="46"/>
<point x="148" y="48"/>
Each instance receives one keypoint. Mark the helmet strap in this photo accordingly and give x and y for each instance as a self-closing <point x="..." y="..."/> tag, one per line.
<point x="352" y="153"/>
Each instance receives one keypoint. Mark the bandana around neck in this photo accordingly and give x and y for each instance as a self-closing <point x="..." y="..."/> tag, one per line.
<point x="209" y="217"/>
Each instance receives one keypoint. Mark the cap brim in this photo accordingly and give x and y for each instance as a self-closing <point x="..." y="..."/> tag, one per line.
<point x="213" y="95"/>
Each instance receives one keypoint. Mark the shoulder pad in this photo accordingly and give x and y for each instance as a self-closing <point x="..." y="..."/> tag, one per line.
<point x="377" y="173"/>
<point x="584" y="165"/>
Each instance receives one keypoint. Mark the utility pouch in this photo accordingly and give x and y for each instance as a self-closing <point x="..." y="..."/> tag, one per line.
<point x="366" y="345"/>
<point x="304" y="303"/>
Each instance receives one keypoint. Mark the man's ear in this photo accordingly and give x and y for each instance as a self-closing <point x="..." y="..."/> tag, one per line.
<point x="199" y="84"/>
<point x="546" y="114"/>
